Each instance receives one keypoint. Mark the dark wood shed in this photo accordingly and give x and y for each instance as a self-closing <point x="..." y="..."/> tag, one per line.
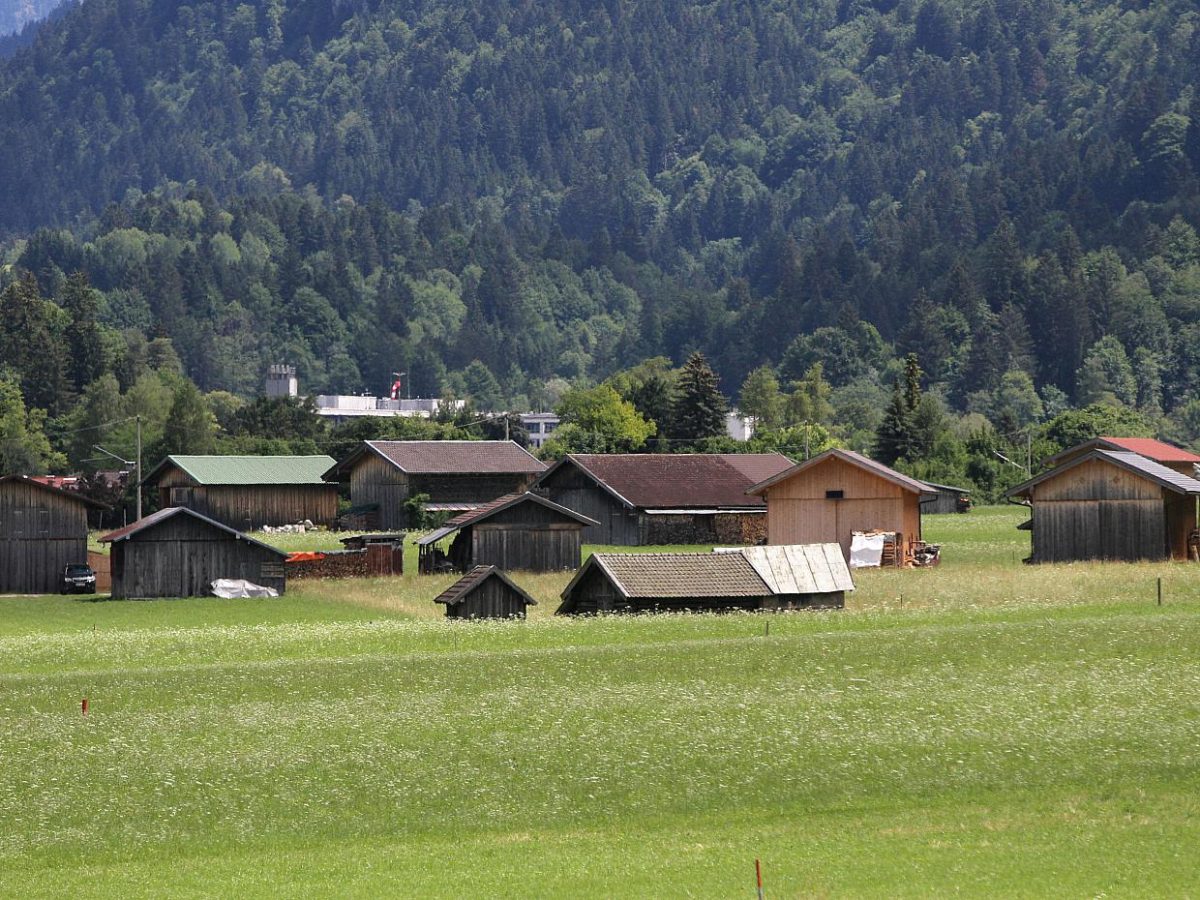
<point x="248" y="492"/>
<point x="947" y="499"/>
<point x="485" y="593"/>
<point x="454" y="475"/>
<point x="518" y="532"/>
<point x="43" y="530"/>
<point x="1107" y="504"/>
<point x="177" y="552"/>
<point x="746" y="578"/>
<point x="641" y="499"/>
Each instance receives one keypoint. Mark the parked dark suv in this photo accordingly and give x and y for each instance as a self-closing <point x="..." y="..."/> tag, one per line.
<point x="79" y="579"/>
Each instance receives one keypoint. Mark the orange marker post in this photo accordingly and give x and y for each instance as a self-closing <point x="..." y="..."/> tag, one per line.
<point x="84" y="706"/>
<point x="758" y="877"/>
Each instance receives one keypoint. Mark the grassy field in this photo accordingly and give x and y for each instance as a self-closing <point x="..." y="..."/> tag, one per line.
<point x="984" y="728"/>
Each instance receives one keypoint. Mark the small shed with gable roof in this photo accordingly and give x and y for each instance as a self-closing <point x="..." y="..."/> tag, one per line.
<point x="485" y="593"/>
<point x="1110" y="504"/>
<point x="517" y="532"/>
<point x="177" y="552"/>
<point x="740" y="578"/>
<point x="43" y="529"/>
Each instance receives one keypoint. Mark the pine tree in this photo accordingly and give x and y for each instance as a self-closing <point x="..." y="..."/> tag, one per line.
<point x="892" y="438"/>
<point x="698" y="409"/>
<point x="190" y="426"/>
<point x="86" y="361"/>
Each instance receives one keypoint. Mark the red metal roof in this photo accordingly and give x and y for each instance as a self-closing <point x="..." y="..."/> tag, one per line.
<point x="682" y="480"/>
<point x="1159" y="451"/>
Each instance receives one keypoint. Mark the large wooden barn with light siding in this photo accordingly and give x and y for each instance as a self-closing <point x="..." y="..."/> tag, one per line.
<point x="248" y="492"/>
<point x="43" y="530"/>
<point x="830" y="496"/>
<point x="177" y="552"/>
<point x="455" y="476"/>
<point x="1107" y="504"/>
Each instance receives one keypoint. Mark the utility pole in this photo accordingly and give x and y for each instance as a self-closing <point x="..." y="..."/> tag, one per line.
<point x="139" y="467"/>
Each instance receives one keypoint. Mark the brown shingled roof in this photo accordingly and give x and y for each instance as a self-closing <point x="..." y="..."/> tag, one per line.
<point x="682" y="574"/>
<point x="447" y="458"/>
<point x="462" y="588"/>
<point x="681" y="480"/>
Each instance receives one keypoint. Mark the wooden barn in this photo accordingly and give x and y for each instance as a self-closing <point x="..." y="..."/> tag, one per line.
<point x="1176" y="458"/>
<point x="248" y="492"/>
<point x="743" y="578"/>
<point x="521" y="532"/>
<point x="176" y="552"/>
<point x="485" y="593"/>
<point x="829" y="497"/>
<point x="455" y="476"/>
<point x="947" y="499"/>
<point x="658" y="498"/>
<point x="43" y="530"/>
<point x="1107" y="504"/>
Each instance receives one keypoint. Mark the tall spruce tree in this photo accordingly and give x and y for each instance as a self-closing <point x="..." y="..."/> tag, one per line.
<point x="86" y="361"/>
<point x="698" y="409"/>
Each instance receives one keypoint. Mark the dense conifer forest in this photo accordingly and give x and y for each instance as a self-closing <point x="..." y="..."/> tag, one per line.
<point x="509" y="200"/>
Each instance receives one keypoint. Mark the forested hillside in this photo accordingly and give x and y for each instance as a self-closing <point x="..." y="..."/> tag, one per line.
<point x="1008" y="188"/>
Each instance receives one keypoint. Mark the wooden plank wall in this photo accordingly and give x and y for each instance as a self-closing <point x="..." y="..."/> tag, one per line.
<point x="619" y="526"/>
<point x="374" y="480"/>
<point x="543" y="548"/>
<point x="491" y="600"/>
<point x="41" y="533"/>
<point x="799" y="513"/>
<point x="182" y="557"/>
<point x="249" y="507"/>
<point x="1100" y="511"/>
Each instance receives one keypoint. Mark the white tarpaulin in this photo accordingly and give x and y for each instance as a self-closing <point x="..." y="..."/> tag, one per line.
<point x="866" y="550"/>
<point x="230" y="588"/>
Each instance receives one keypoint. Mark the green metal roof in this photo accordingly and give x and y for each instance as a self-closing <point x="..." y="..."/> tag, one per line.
<point x="249" y="469"/>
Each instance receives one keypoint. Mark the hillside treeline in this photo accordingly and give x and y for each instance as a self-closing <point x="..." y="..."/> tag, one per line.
<point x="497" y="196"/>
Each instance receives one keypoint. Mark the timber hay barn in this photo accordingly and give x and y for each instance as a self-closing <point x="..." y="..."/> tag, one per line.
<point x="43" y="530"/>
<point x="485" y="593"/>
<point x="641" y="499"/>
<point x="948" y="499"/>
<point x="456" y="476"/>
<point x="1176" y="458"/>
<point x="248" y="492"/>
<point x="518" y="532"/>
<point x="741" y="578"/>
<point x="839" y="492"/>
<point x="1108" y="504"/>
<point x="177" y="552"/>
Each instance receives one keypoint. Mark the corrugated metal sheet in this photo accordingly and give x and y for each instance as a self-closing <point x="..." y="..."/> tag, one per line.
<point x="801" y="568"/>
<point x="682" y="480"/>
<point x="249" y="470"/>
<point x="1159" y="451"/>
<point x="458" y="457"/>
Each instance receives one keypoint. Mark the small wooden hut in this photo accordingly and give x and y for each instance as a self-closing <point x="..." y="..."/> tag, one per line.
<point x="43" y="530"/>
<point x="176" y="552"/>
<point x="485" y="593"/>
<point x="522" y="532"/>
<point x="948" y="499"/>
<point x="839" y="492"/>
<point x="744" y="578"/>
<point x="1114" y="505"/>
<point x="248" y="492"/>
<point x="456" y="476"/>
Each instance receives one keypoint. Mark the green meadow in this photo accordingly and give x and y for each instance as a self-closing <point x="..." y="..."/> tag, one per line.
<point x="984" y="728"/>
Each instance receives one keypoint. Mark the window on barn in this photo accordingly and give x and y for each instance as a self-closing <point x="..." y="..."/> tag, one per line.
<point x="181" y="496"/>
<point x="834" y="495"/>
